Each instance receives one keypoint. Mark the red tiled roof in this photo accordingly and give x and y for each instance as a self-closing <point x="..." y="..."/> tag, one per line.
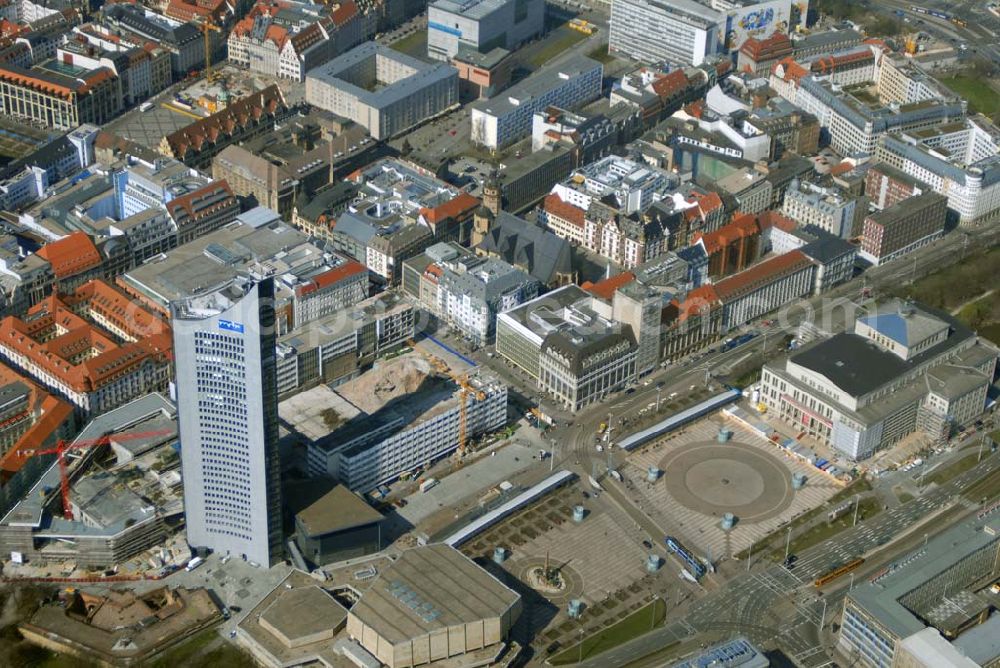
<point x="706" y="203"/>
<point x="778" y="45"/>
<point x="344" y="13"/>
<point x="695" y="109"/>
<point x="841" y="168"/>
<point x="554" y="206"/>
<point x="828" y="64"/>
<point x="759" y="274"/>
<point x="116" y="309"/>
<point x="670" y="84"/>
<point x="696" y="300"/>
<point x="332" y="276"/>
<point x="792" y="70"/>
<point x="53" y="337"/>
<point x="54" y="413"/>
<point x="453" y="208"/>
<point x="767" y="219"/>
<point x="71" y="255"/>
<point x="605" y="289"/>
<point x="225" y="123"/>
<point x="192" y="204"/>
<point x="743" y="225"/>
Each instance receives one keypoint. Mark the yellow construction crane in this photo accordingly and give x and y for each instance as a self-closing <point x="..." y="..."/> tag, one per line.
<point x="464" y="390"/>
<point x="206" y="25"/>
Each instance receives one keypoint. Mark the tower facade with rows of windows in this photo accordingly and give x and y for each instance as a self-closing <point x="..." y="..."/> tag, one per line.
<point x="228" y="413"/>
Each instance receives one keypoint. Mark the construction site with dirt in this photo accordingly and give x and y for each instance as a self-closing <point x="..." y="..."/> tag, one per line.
<point x="403" y="414"/>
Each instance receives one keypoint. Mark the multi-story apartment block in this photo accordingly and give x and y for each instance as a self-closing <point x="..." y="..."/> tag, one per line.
<point x="576" y="355"/>
<point x="959" y="161"/>
<point x="340" y="345"/>
<point x="29" y="177"/>
<point x="396" y="210"/>
<point x="657" y="95"/>
<point x="289" y="39"/>
<point x="903" y="82"/>
<point x="602" y="207"/>
<point x="59" y="95"/>
<point x="908" y="99"/>
<point x="472" y="290"/>
<point x="790" y="130"/>
<point x="757" y="56"/>
<point x="481" y="25"/>
<point x="590" y="139"/>
<point x="254" y="176"/>
<point x="30" y="419"/>
<point x="227" y="406"/>
<point x="159" y="67"/>
<point x="385" y="91"/>
<point x="764" y="287"/>
<point x="903" y="227"/>
<point x="183" y="40"/>
<point x="202" y="211"/>
<point x="827" y="208"/>
<point x="750" y="187"/>
<point x="885" y="185"/>
<point x="731" y="248"/>
<point x="567" y="82"/>
<point x="390" y="246"/>
<point x="93" y="347"/>
<point x="375" y="449"/>
<point x="903" y="368"/>
<point x="680" y="32"/>
<point x="825" y="42"/>
<point x="854" y="67"/>
<point x="144" y="185"/>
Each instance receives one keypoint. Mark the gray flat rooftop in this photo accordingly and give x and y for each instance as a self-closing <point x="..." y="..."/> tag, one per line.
<point x="981" y="643"/>
<point x="487" y="60"/>
<point x="550" y="76"/>
<point x="881" y="598"/>
<point x="337" y="510"/>
<point x="471" y="9"/>
<point x="858" y="366"/>
<point x="346" y="321"/>
<point x="688" y="8"/>
<point x="304" y="611"/>
<point x="337" y="73"/>
<point x="429" y="588"/>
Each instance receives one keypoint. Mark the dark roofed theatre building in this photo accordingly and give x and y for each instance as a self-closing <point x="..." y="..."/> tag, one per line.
<point x="339" y="525"/>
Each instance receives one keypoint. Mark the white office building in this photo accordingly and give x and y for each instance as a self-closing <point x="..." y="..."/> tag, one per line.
<point x="385" y="91"/>
<point x="376" y="449"/>
<point x="961" y="162"/>
<point x="481" y="25"/>
<point x="567" y="83"/>
<point x="224" y="348"/>
<point x="680" y="32"/>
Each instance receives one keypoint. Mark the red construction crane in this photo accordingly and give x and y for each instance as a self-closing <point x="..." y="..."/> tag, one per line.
<point x="62" y="447"/>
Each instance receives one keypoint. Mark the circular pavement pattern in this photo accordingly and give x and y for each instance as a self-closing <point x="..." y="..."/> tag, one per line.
<point x="574" y="581"/>
<point x="714" y="479"/>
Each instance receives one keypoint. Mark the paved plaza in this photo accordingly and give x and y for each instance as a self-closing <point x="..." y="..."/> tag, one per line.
<point x="603" y="553"/>
<point x="703" y="479"/>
